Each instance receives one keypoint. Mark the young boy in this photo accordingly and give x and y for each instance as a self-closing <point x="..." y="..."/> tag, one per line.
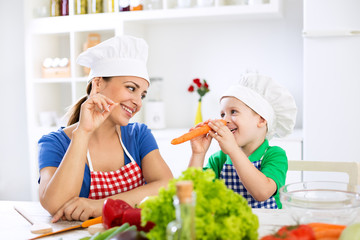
<point x="255" y="110"/>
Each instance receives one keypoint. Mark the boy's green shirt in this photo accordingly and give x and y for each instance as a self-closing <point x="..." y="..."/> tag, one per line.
<point x="274" y="164"/>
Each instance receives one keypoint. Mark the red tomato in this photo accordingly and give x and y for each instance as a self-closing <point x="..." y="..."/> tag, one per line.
<point x="280" y="236"/>
<point x="301" y="232"/>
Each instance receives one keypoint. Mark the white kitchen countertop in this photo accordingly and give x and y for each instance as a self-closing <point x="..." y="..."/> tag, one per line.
<point x="13" y="226"/>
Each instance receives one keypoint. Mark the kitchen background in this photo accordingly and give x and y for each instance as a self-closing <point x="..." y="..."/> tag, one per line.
<point x="217" y="45"/>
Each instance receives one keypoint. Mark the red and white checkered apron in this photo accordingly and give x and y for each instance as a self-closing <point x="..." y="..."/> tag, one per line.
<point x="105" y="184"/>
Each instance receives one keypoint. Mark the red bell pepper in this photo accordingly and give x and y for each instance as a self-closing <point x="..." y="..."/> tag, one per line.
<point x="117" y="212"/>
<point x="133" y="217"/>
<point x="113" y="211"/>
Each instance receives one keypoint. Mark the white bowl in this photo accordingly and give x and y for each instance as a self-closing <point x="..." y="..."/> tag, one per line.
<point x="320" y="201"/>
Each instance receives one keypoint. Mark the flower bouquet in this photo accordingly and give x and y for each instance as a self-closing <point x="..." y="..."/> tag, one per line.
<point x="201" y="88"/>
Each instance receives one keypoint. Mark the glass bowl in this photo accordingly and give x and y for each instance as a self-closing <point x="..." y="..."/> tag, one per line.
<point x="321" y="201"/>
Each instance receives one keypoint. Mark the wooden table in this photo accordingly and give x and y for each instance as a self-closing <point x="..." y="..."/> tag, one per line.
<point x="13" y="226"/>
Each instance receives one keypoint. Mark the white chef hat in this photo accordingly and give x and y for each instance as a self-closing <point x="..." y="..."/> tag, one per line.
<point x="268" y="99"/>
<point x="117" y="56"/>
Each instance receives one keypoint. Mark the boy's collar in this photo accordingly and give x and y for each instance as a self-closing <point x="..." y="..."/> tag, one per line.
<point x="259" y="152"/>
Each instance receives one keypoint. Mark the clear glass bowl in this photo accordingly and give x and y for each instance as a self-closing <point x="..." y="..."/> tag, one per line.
<point x="320" y="201"/>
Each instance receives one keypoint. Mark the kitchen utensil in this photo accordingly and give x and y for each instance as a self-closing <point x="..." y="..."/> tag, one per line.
<point x="83" y="225"/>
<point x="36" y="227"/>
<point x="321" y="201"/>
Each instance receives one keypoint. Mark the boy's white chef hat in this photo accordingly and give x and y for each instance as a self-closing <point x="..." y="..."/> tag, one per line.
<point x="269" y="99"/>
<point x="117" y="56"/>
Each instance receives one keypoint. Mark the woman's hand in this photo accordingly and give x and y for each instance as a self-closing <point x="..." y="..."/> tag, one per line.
<point x="224" y="136"/>
<point x="95" y="110"/>
<point x="79" y="209"/>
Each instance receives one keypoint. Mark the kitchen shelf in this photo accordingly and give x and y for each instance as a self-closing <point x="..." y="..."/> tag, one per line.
<point x="52" y="80"/>
<point x="103" y="21"/>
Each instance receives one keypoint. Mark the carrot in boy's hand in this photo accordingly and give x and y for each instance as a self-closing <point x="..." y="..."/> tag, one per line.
<point x="193" y="133"/>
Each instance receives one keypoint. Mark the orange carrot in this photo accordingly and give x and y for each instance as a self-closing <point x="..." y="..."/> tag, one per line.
<point x="325" y="231"/>
<point x="194" y="133"/>
<point x="319" y="225"/>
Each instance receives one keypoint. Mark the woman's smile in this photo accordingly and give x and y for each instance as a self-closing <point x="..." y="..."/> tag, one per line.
<point x="129" y="111"/>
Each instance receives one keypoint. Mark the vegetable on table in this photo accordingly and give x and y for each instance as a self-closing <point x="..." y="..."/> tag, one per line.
<point x="326" y="230"/>
<point x="292" y="232"/>
<point x="351" y="232"/>
<point x="130" y="235"/>
<point x="111" y="232"/>
<point x="276" y="236"/>
<point x="220" y="213"/>
<point x="301" y="232"/>
<point x="133" y="217"/>
<point x="310" y="231"/>
<point x="117" y="212"/>
<point x="113" y="211"/>
<point x="193" y="133"/>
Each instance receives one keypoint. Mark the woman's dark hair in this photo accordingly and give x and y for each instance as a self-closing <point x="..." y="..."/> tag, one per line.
<point x="74" y="111"/>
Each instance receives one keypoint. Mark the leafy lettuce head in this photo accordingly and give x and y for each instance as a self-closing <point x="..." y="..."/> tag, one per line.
<point x="220" y="212"/>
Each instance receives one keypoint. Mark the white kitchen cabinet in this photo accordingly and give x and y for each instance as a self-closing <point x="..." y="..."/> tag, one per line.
<point x="331" y="83"/>
<point x="64" y="37"/>
<point x="293" y="146"/>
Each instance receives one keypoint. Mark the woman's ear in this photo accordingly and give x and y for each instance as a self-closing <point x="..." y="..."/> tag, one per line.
<point x="96" y="85"/>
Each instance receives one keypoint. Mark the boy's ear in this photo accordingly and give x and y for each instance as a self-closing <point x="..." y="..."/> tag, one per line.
<point x="262" y="122"/>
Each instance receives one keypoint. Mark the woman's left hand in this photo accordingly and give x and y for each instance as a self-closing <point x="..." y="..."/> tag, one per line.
<point x="79" y="209"/>
<point x="223" y="135"/>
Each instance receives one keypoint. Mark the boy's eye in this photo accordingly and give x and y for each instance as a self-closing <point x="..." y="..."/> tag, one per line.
<point x="233" y="111"/>
<point x="222" y="115"/>
<point x="143" y="97"/>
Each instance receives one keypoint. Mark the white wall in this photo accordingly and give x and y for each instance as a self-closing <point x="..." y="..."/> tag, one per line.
<point x="14" y="163"/>
<point x="220" y="52"/>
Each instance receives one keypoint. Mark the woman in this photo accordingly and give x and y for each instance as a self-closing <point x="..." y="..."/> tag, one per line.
<point x="100" y="154"/>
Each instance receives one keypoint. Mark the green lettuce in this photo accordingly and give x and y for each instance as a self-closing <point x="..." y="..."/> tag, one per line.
<point x="220" y="212"/>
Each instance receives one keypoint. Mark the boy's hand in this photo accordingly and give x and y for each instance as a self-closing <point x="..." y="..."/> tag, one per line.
<point x="224" y="136"/>
<point x="201" y="144"/>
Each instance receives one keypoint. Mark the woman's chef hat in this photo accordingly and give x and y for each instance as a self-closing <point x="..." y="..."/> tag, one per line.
<point x="269" y="99"/>
<point x="117" y="56"/>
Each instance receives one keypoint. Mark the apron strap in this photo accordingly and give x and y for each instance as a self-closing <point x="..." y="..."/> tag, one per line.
<point x="89" y="161"/>
<point x="123" y="146"/>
